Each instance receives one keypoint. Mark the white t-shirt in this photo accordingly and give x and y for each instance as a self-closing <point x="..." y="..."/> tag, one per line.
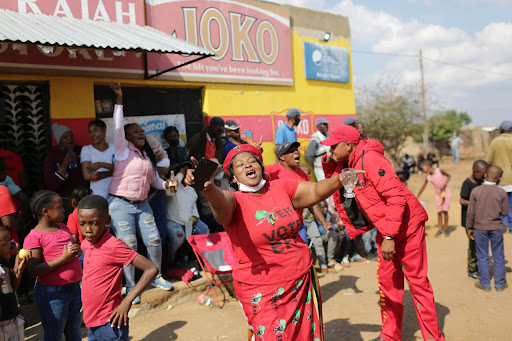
<point x="89" y="153"/>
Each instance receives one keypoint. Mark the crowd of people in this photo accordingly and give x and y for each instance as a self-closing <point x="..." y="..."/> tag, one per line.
<point x="104" y="199"/>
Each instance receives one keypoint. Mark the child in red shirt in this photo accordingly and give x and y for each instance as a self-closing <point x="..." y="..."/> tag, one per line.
<point x="104" y="310"/>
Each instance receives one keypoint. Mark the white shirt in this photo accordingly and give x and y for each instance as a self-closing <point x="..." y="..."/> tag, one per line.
<point x="93" y="155"/>
<point x="182" y="204"/>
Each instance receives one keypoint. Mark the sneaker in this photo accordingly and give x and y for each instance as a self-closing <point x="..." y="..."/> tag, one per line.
<point x="345" y="262"/>
<point x="474" y="275"/>
<point x="161" y="283"/>
<point x="335" y="265"/>
<point x="136" y="300"/>
<point x="326" y="268"/>
<point x="439" y="233"/>
<point x="502" y="288"/>
<point x="358" y="259"/>
<point x="481" y="287"/>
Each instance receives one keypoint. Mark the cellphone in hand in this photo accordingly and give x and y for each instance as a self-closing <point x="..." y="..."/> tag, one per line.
<point x="203" y="172"/>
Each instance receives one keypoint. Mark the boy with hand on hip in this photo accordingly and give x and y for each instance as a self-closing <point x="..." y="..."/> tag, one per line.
<point x="491" y="202"/>
<point x="105" y="312"/>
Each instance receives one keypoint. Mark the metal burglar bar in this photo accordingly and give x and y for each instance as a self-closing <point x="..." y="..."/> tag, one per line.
<point x="25" y="126"/>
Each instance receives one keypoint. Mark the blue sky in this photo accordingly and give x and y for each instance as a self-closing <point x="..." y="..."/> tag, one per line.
<point x="466" y="47"/>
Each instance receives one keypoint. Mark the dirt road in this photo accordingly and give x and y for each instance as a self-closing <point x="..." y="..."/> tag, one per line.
<point x="351" y="308"/>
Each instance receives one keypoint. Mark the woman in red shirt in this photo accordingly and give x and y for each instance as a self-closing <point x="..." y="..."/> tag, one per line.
<point x="273" y="276"/>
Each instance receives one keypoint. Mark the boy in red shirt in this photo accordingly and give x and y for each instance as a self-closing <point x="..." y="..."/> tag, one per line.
<point x="104" y="310"/>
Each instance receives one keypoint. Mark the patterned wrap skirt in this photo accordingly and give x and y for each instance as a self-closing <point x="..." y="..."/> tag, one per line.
<point x="290" y="310"/>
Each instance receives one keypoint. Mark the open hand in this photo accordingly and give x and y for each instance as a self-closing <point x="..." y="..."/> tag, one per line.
<point x="120" y="316"/>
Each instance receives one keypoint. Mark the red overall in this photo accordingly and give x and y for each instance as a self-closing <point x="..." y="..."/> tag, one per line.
<point x="382" y="201"/>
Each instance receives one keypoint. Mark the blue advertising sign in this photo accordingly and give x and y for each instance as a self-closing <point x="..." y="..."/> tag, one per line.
<point x="326" y="63"/>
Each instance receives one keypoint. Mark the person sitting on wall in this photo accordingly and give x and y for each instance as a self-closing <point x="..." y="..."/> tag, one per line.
<point x="208" y="143"/>
<point x="286" y="132"/>
<point x="61" y="166"/>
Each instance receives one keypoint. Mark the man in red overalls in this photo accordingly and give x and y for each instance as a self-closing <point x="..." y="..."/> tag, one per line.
<point x="382" y="201"/>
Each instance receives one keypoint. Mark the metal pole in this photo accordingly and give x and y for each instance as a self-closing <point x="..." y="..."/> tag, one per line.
<point x="425" y="124"/>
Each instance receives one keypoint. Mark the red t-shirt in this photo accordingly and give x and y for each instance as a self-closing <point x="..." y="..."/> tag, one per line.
<point x="278" y="171"/>
<point x="73" y="225"/>
<point x="101" y="282"/>
<point x="14" y="164"/>
<point x="210" y="149"/>
<point x="52" y="244"/>
<point x="264" y="234"/>
<point x="8" y="206"/>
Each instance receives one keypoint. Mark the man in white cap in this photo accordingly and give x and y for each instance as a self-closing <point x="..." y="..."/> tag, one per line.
<point x="316" y="150"/>
<point x="500" y="154"/>
<point x="286" y="132"/>
<point x="233" y="136"/>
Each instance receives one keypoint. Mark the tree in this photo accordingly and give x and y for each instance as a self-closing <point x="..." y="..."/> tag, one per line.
<point x="390" y="113"/>
<point x="442" y="125"/>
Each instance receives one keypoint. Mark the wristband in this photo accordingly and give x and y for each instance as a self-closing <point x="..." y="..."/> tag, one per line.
<point x="95" y="178"/>
<point x="389" y="237"/>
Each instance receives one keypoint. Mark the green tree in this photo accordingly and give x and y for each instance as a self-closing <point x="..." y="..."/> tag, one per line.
<point x="390" y="113"/>
<point x="442" y="125"/>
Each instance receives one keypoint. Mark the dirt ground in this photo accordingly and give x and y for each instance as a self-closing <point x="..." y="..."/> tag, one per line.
<point x="351" y="301"/>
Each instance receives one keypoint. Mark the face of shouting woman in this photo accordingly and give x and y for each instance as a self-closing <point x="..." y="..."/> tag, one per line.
<point x="246" y="169"/>
<point x="135" y="135"/>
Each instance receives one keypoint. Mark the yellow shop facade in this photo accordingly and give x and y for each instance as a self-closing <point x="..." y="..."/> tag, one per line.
<point x="266" y="58"/>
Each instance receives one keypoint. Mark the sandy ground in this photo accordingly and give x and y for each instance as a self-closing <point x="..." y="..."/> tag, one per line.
<point x="351" y="309"/>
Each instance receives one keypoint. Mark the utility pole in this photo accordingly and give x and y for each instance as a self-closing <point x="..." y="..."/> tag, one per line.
<point x="425" y="124"/>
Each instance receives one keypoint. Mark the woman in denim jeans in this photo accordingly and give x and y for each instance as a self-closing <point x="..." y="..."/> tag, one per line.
<point x="134" y="172"/>
<point x="55" y="263"/>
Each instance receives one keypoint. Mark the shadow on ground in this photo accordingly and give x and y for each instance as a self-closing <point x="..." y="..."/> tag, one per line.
<point x="166" y="332"/>
<point x="345" y="282"/>
<point x="342" y="329"/>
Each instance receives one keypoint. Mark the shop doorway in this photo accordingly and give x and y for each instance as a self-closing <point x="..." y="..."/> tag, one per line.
<point x="25" y="126"/>
<point x="151" y="101"/>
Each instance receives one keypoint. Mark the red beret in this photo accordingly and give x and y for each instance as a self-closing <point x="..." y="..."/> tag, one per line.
<point x="344" y="133"/>
<point x="239" y="149"/>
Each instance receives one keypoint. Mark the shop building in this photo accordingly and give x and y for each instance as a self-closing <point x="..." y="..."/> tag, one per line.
<point x="265" y="58"/>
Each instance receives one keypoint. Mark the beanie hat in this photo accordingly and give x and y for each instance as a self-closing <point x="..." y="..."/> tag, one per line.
<point x="58" y="131"/>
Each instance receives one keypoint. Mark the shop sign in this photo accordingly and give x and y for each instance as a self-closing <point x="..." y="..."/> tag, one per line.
<point x="326" y="63"/>
<point x="74" y="61"/>
<point x="251" y="40"/>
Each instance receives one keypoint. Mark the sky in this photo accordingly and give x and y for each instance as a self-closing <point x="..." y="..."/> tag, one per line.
<point x="466" y="46"/>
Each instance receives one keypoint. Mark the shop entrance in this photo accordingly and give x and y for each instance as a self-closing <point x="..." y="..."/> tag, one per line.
<point x="150" y="101"/>
<point x="25" y="126"/>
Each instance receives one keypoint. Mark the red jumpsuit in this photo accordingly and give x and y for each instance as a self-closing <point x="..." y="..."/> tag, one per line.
<point x="382" y="201"/>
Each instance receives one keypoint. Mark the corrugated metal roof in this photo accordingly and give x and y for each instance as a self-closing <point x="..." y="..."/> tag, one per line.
<point x="51" y="30"/>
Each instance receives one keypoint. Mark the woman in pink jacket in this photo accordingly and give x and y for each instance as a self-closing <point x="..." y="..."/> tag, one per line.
<point x="134" y="173"/>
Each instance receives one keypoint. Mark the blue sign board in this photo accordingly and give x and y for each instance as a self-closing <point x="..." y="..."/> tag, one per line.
<point x="326" y="63"/>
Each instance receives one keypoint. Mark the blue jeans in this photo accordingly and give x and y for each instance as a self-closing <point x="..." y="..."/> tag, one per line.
<point x="130" y="220"/>
<point x="369" y="240"/>
<point x="509" y="217"/>
<point x="159" y="208"/>
<point x="455" y="153"/>
<point x="349" y="246"/>
<point x="59" y="309"/>
<point x="482" y="239"/>
<point x="108" y="333"/>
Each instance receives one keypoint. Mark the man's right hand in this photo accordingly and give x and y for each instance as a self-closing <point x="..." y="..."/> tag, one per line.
<point x="471" y="234"/>
<point x="388" y="249"/>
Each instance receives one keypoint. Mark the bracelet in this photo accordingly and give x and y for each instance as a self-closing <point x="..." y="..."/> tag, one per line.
<point x="95" y="179"/>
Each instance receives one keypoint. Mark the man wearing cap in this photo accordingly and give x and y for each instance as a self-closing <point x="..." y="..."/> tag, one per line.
<point x="233" y="135"/>
<point x="286" y="132"/>
<point x="382" y="201"/>
<point x="350" y="121"/>
<point x="316" y="150"/>
<point x="207" y="143"/>
<point x="500" y="154"/>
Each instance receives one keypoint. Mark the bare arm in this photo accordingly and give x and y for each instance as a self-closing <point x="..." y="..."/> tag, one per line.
<point x="448" y="177"/>
<point x="422" y="188"/>
<point x="464" y="202"/>
<point x="149" y="272"/>
<point x="310" y="193"/>
<point x="317" y="212"/>
<point x="38" y="268"/>
<point x="9" y="221"/>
